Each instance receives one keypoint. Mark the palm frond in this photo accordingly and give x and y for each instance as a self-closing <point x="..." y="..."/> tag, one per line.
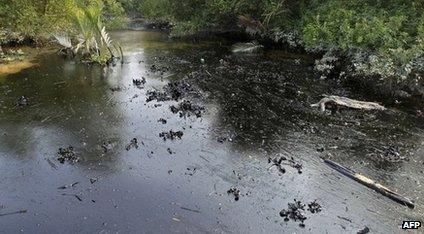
<point x="78" y="46"/>
<point x="105" y="37"/>
<point x="93" y="38"/>
<point x="63" y="40"/>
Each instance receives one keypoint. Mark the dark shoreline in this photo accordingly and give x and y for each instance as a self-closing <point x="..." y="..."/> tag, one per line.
<point x="387" y="91"/>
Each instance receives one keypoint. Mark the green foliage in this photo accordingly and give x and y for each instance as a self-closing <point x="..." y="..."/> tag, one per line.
<point x="43" y="17"/>
<point x="113" y="15"/>
<point x="384" y="37"/>
<point x="131" y="7"/>
<point x="357" y="23"/>
<point x="31" y="17"/>
<point x="195" y="15"/>
<point x="92" y="39"/>
<point x="191" y="16"/>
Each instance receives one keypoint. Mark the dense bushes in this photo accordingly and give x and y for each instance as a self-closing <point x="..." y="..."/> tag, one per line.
<point x="36" y="17"/>
<point x="379" y="37"/>
<point x="201" y="14"/>
<point x="31" y="16"/>
<point x="78" y="25"/>
<point x="371" y="24"/>
<point x="382" y="37"/>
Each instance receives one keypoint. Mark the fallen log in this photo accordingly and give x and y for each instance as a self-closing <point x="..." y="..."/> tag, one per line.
<point x="371" y="184"/>
<point x="347" y="102"/>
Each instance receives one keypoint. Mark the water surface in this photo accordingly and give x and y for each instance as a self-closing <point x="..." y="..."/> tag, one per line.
<point x="259" y="103"/>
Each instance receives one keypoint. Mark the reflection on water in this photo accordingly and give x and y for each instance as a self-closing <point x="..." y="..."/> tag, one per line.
<point x="15" y="67"/>
<point x="19" y="65"/>
<point x="258" y="103"/>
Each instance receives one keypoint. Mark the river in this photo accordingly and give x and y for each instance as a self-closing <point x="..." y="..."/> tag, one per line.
<point x="256" y="107"/>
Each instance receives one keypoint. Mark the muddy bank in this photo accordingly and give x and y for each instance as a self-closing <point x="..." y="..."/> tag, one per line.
<point x="391" y="90"/>
<point x="8" y="38"/>
<point x="16" y="59"/>
<point x="409" y="97"/>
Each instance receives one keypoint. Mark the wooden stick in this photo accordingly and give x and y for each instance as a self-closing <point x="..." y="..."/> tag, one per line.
<point x="15" y="212"/>
<point x="371" y="184"/>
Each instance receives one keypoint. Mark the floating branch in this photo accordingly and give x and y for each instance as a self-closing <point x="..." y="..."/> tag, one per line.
<point x="371" y="184"/>
<point x="347" y="102"/>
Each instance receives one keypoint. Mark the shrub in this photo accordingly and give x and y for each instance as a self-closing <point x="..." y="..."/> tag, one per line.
<point x="34" y="18"/>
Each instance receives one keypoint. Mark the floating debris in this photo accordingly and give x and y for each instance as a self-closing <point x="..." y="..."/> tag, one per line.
<point x="371" y="184"/>
<point x="234" y="191"/>
<point x="171" y="135"/>
<point x="162" y="120"/>
<point x="68" y="186"/>
<point x="94" y="180"/>
<point x="15" y="212"/>
<point x="280" y="162"/>
<point x="249" y="47"/>
<point x="73" y="195"/>
<point x="294" y="212"/>
<point x="186" y="109"/>
<point x="67" y="154"/>
<point x="191" y="171"/>
<point x="23" y="101"/>
<point x="347" y="102"/>
<point x="179" y="89"/>
<point x="392" y="154"/>
<point x="133" y="144"/>
<point x="157" y="96"/>
<point x="221" y="139"/>
<point x="139" y="82"/>
<point x="314" y="207"/>
<point x="172" y="91"/>
<point x="108" y="146"/>
<point x="116" y="89"/>
<point x="133" y="97"/>
<point x="364" y="231"/>
<point x="230" y="137"/>
<point x="192" y="210"/>
<point x="161" y="69"/>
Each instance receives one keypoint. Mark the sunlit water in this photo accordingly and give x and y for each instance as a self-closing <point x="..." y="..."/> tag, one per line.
<point x="260" y="101"/>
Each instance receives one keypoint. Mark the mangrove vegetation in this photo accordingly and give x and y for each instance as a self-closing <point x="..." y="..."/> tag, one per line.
<point x="223" y="116"/>
<point x="377" y="41"/>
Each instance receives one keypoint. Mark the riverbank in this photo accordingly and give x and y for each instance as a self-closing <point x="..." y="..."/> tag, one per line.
<point x="379" y="45"/>
<point x="328" y="64"/>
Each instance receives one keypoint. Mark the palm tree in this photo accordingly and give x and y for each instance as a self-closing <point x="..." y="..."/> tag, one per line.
<point x="92" y="40"/>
